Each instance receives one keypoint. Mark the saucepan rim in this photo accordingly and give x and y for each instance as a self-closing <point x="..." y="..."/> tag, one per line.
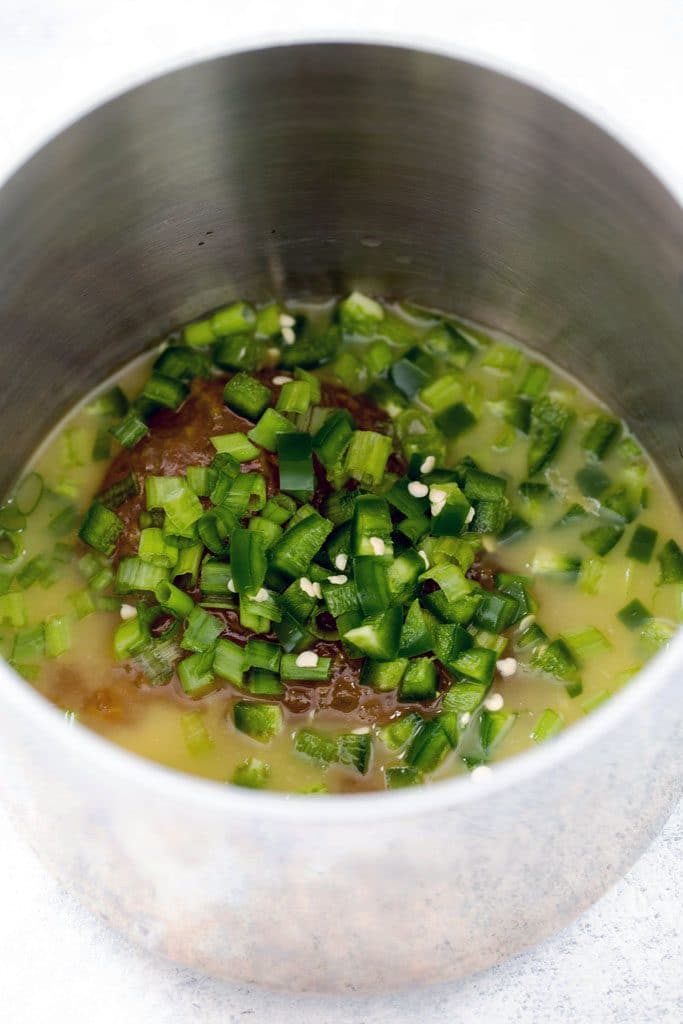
<point x="21" y="699"/>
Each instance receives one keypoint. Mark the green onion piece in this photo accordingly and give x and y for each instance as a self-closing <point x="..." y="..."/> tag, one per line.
<point x="156" y="661"/>
<point x="670" y="563"/>
<point x="228" y="661"/>
<point x="622" y="502"/>
<point x="251" y="773"/>
<point x="446" y="342"/>
<point x="201" y="631"/>
<point x="312" y="381"/>
<point x="355" y="751"/>
<point x="502" y="357"/>
<point x="535" y="380"/>
<point x="557" y="660"/>
<point x="119" y="492"/>
<point x="372" y="588"/>
<point x="215" y="577"/>
<point x="262" y="604"/>
<point x="456" y="420"/>
<point x="591" y="573"/>
<point x="295" y="463"/>
<point x="371" y="527"/>
<point x="181" y="362"/>
<point x="268" y="320"/>
<point x="412" y="372"/>
<point x="279" y="509"/>
<point x="134" y="574"/>
<point x="340" y="597"/>
<point x="29" y="645"/>
<point x="366" y="456"/>
<point x="400" y="776"/>
<point x="383" y="675"/>
<point x="246" y="396"/>
<point x="294" y="397"/>
<point x="419" y="681"/>
<point x="490" y="517"/>
<point x="595" y="701"/>
<point x="601" y="435"/>
<point x="296" y="666"/>
<point x="585" y="642"/>
<point x="464" y="698"/>
<point x="496" y="612"/>
<point x="260" y="721"/>
<point x="402" y="576"/>
<point x="359" y="314"/>
<point x="261" y="654"/>
<point x="57" y="635"/>
<point x="442" y="393"/>
<point x="196" y="674"/>
<point x="332" y="439"/>
<point x="239" y="352"/>
<point x="399" y="733"/>
<point x="634" y="614"/>
<point x="10" y="547"/>
<point x="130" y="430"/>
<point x="238" y="318"/>
<point x="101" y="528"/>
<point x="642" y="544"/>
<point x="477" y="664"/>
<point x="298" y="546"/>
<point x="428" y="748"/>
<point x="248" y="561"/>
<point x="196" y="735"/>
<point x="377" y="636"/>
<point x="175" y="496"/>
<point x="450" y="640"/>
<point x="546" y="562"/>
<point x="82" y="603"/>
<point x="494" y="727"/>
<point x="654" y="635"/>
<point x="339" y="506"/>
<point x="166" y="391"/>
<point x="269" y="531"/>
<point x="36" y="570"/>
<point x="156" y="549"/>
<point x="264" y="683"/>
<point x="549" y="723"/>
<point x="416" y="637"/>
<point x="13" y="610"/>
<point x="238" y="445"/>
<point x="101" y="448"/>
<point x="451" y="579"/>
<point x="173" y="600"/>
<point x="592" y="481"/>
<point x="480" y="486"/>
<point x="549" y="422"/>
<point x="199" y="333"/>
<point x="247" y="494"/>
<point x="601" y="539"/>
<point x="188" y="562"/>
<point x="453" y="512"/>
<point x="317" y="746"/>
<point x="266" y="431"/>
<point x="12" y="520"/>
<point x="130" y="638"/>
<point x="109" y="403"/>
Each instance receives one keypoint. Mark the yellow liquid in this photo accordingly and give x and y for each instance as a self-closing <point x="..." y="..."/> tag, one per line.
<point x="87" y="681"/>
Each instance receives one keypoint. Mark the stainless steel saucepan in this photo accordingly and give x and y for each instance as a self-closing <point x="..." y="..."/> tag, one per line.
<point x="312" y="169"/>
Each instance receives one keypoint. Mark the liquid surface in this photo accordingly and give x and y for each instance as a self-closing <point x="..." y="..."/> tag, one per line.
<point x="577" y="581"/>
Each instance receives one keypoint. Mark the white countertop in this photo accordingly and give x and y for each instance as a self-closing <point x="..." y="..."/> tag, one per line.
<point x="621" y="961"/>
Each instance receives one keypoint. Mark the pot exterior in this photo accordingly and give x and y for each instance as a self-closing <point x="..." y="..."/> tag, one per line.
<point x="308" y="170"/>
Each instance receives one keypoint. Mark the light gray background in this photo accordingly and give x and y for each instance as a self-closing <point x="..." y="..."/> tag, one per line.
<point x="621" y="63"/>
